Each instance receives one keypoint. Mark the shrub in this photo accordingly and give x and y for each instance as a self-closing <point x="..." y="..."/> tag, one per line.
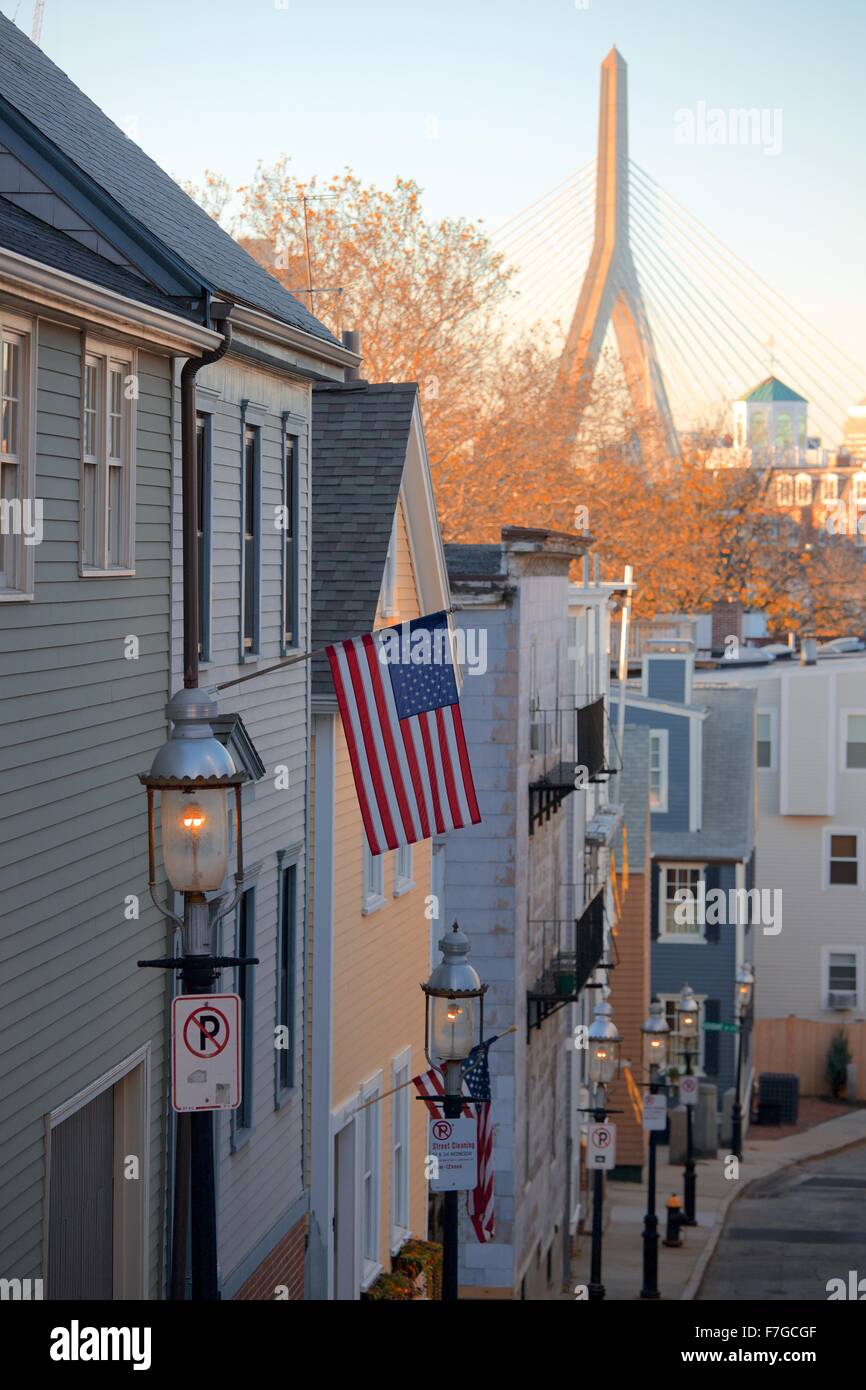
<point x="838" y="1058"/>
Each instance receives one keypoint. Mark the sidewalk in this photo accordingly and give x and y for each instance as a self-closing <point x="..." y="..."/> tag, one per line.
<point x="681" y="1270"/>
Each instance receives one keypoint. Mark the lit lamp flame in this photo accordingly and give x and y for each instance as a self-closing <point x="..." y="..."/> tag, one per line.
<point x="193" y="818"/>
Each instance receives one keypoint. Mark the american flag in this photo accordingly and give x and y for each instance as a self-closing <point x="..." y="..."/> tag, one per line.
<point x="398" y="700"/>
<point x="476" y="1084"/>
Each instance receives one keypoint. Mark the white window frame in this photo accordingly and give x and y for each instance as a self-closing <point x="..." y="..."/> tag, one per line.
<point x="404" y="878"/>
<point x="371" y="1266"/>
<point x="104" y="356"/>
<point x="772" y="715"/>
<point x="679" y="936"/>
<point x="401" y="1127"/>
<point x="373" y="888"/>
<point x="388" y="592"/>
<point x="843" y="740"/>
<point x="842" y="950"/>
<point x="18" y="585"/>
<point x="828" y="832"/>
<point x="829" y="487"/>
<point x="784" y="490"/>
<point x="699" y="1058"/>
<point x="662" y="738"/>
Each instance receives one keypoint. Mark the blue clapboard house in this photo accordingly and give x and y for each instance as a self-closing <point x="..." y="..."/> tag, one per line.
<point x="702" y="809"/>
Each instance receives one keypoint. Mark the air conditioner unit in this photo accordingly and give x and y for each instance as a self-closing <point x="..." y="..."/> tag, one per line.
<point x="841" y="999"/>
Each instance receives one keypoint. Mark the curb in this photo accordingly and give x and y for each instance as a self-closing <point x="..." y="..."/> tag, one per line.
<point x="696" y="1277"/>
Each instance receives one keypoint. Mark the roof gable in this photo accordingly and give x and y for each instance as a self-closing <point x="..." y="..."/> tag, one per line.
<point x="360" y="442"/>
<point x="132" y="186"/>
<point x="772" y="389"/>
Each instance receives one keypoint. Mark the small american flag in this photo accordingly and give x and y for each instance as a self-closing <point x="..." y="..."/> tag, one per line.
<point x="398" y="701"/>
<point x="476" y="1083"/>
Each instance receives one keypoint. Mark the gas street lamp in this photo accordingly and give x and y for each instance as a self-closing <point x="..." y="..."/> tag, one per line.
<point x="200" y="793"/>
<point x="745" y="982"/>
<point x="655" y="1049"/>
<point x="603" y="1044"/>
<point x="454" y="1025"/>
<point x="688" y="1014"/>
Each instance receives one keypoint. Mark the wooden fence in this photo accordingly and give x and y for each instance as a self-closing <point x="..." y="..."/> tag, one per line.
<point x="800" y="1045"/>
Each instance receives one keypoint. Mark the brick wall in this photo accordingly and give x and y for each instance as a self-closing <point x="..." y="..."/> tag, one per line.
<point x="284" y="1266"/>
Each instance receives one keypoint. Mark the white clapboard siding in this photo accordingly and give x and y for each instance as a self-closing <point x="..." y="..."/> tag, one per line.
<point x="262" y="1182"/>
<point x="77" y="723"/>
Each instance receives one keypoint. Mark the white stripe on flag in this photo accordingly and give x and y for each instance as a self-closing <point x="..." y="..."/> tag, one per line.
<point x="384" y="766"/>
<point x="360" y="746"/>
<point x="397" y="735"/>
<point x="421" y="758"/>
<point x="440" y="771"/>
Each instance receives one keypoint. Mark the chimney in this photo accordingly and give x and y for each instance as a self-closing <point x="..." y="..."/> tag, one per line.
<point x="808" y="651"/>
<point x="352" y="341"/>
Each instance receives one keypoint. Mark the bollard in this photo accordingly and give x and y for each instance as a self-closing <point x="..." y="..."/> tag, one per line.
<point x="675" y="1221"/>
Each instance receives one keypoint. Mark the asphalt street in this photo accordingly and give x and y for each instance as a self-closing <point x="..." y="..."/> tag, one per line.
<point x="790" y="1233"/>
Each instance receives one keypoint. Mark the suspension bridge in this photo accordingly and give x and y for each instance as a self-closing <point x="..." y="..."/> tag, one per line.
<point x="609" y="255"/>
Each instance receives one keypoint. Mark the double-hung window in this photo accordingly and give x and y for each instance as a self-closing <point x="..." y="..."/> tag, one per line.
<point x="844" y="858"/>
<point x="20" y="525"/>
<point x="252" y="535"/>
<point x="400" y="1101"/>
<point x="681" y="915"/>
<point x="659" y="770"/>
<point x="291" y="549"/>
<point x="286" y="980"/>
<point x="108" y="460"/>
<point x="403" y="879"/>
<point x="766" y="740"/>
<point x="855" y="740"/>
<point x="370" y="1180"/>
<point x="203" y="460"/>
<point x="374" y="880"/>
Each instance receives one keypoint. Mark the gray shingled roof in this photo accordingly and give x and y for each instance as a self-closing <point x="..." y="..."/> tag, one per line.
<point x="728" y="816"/>
<point x="474" y="561"/>
<point x="28" y="235"/>
<point x="632" y="789"/>
<point x="360" y="437"/>
<point x="47" y="98"/>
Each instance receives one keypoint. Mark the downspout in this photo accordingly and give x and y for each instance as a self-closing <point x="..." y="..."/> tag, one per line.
<point x="219" y="314"/>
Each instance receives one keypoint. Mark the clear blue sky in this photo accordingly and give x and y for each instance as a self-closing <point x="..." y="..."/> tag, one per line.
<point x="513" y="87"/>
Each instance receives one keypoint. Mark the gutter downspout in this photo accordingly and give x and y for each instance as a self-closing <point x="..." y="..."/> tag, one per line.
<point x="189" y="483"/>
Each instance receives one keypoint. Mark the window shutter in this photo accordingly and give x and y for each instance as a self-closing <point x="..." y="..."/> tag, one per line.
<point x="712" y="1014"/>
<point x="654" y="902"/>
<point x="712" y="879"/>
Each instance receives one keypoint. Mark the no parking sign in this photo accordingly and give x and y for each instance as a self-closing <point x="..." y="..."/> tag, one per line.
<point x="205" y="1052"/>
<point x="602" y="1146"/>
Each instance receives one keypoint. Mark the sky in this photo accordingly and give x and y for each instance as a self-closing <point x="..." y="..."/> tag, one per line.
<point x="490" y="103"/>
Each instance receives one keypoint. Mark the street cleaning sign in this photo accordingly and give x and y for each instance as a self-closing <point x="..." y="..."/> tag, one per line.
<point x="655" y="1111"/>
<point x="453" y="1144"/>
<point x="688" y="1090"/>
<point x="602" y="1146"/>
<point x="205" y="1052"/>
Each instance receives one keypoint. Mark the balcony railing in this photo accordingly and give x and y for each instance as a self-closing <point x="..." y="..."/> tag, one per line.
<point x="570" y="952"/>
<point x="566" y="748"/>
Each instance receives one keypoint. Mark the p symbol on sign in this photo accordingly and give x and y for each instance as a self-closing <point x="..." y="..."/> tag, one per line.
<point x="441" y="1130"/>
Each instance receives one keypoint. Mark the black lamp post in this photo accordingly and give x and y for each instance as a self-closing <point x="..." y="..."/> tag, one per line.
<point x="688" y="1011"/>
<point x="454" y="1026"/>
<point x="195" y="777"/>
<point x="745" y="983"/>
<point x="655" y="1040"/>
<point x="603" y="1042"/>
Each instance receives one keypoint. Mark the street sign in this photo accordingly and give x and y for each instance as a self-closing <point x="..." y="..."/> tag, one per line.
<point x="453" y="1143"/>
<point x="722" y="1027"/>
<point x="655" y="1110"/>
<point x="205" y="1052"/>
<point x="688" y="1090"/>
<point x="602" y="1146"/>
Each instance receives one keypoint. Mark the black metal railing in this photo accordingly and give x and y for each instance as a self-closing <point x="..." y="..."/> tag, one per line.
<point x="569" y="952"/>
<point x="566" y="748"/>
